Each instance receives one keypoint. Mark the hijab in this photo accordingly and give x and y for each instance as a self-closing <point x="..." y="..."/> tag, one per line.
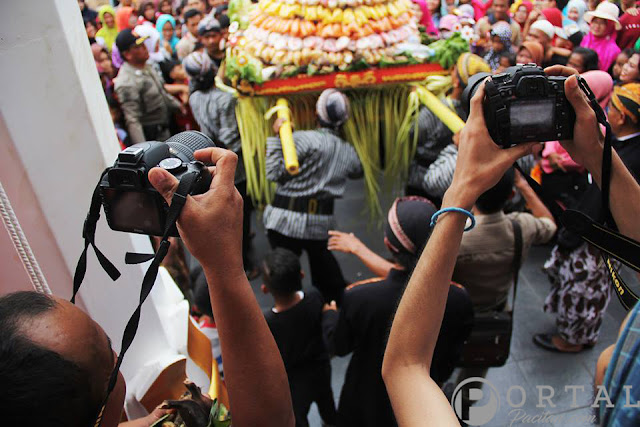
<point x="601" y="85"/>
<point x="581" y="7"/>
<point x="122" y="17"/>
<point x="493" y="57"/>
<point x="146" y="30"/>
<point x="554" y="16"/>
<point x="108" y="35"/>
<point x="605" y="46"/>
<point x="160" y="23"/>
<point x="515" y="6"/>
<point x="536" y="50"/>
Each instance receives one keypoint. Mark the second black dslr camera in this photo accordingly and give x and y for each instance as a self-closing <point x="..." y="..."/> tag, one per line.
<point x="130" y="202"/>
<point x="523" y="104"/>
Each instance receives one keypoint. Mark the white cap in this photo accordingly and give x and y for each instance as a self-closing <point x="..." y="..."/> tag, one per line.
<point x="544" y="26"/>
<point x="605" y="10"/>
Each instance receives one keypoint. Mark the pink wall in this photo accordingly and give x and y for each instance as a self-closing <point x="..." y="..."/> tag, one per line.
<point x="13" y="276"/>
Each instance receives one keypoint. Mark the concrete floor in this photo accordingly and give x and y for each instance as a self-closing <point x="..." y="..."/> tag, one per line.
<point x="528" y="366"/>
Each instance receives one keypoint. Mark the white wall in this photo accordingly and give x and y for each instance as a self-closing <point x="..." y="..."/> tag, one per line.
<point x="56" y="133"/>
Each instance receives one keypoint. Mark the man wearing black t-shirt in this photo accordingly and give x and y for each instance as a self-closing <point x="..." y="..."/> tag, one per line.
<point x="296" y="324"/>
<point x="366" y="314"/>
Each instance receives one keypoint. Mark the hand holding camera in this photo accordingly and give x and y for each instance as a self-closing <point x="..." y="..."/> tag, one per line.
<point x="523" y="104"/>
<point x="211" y="223"/>
<point x="586" y="145"/>
<point x="481" y="163"/>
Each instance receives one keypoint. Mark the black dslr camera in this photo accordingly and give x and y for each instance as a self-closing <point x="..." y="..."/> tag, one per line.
<point x="523" y="104"/>
<point x="130" y="202"/>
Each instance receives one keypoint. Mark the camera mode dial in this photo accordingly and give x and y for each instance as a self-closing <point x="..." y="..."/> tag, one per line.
<point x="171" y="164"/>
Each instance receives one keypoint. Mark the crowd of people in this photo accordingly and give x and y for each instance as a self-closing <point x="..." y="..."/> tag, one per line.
<point x="158" y="62"/>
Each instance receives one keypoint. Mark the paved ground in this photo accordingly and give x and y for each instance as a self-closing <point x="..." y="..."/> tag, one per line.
<point x="528" y="366"/>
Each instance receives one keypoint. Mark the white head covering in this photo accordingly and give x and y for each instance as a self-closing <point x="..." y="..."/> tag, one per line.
<point x="153" y="37"/>
<point x="544" y="26"/>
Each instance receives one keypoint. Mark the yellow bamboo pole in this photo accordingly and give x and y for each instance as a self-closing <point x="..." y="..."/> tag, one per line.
<point x="286" y="138"/>
<point x="448" y="117"/>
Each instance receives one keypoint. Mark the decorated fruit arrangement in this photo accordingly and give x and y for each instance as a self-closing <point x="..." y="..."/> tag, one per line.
<point x="289" y="37"/>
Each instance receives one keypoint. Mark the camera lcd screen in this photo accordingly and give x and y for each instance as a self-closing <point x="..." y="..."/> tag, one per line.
<point x="134" y="211"/>
<point x="532" y="119"/>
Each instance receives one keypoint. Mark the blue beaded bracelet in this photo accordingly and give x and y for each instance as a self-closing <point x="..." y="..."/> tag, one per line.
<point x="435" y="216"/>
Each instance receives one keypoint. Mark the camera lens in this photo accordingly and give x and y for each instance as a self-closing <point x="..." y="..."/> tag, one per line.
<point x="470" y="90"/>
<point x="188" y="142"/>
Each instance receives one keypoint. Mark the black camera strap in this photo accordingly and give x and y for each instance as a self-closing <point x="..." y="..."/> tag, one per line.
<point x="89" y="235"/>
<point x="608" y="241"/>
<point x="177" y="202"/>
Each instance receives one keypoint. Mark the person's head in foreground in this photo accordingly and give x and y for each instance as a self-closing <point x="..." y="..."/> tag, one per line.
<point x="201" y="71"/>
<point x="494" y="199"/>
<point x="281" y="273"/>
<point x="408" y="229"/>
<point x="132" y="48"/>
<point x="624" y="109"/>
<point x="332" y="109"/>
<point x="55" y="364"/>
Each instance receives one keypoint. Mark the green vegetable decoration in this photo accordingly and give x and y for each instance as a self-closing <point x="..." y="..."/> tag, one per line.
<point x="447" y="52"/>
<point x="240" y="66"/>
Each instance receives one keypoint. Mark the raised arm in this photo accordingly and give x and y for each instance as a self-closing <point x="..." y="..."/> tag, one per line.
<point x="348" y="243"/>
<point x="254" y="371"/>
<point x="414" y="395"/>
<point x="538" y="209"/>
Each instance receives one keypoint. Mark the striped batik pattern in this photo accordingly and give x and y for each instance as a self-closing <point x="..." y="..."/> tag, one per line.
<point x="326" y="162"/>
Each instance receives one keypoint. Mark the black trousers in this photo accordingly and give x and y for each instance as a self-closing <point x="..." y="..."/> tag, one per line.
<point x="326" y="274"/>
<point x="313" y="384"/>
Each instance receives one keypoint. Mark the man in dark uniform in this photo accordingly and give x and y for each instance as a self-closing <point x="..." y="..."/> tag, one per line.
<point x="146" y="105"/>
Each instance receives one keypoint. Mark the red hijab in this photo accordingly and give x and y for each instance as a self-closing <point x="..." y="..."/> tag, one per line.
<point x="554" y="16"/>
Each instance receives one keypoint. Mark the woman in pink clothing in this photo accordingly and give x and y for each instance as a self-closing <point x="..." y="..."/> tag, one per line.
<point x="603" y="28"/>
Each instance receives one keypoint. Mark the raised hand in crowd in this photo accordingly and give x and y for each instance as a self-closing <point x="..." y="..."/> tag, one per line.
<point x="414" y="395"/>
<point x="210" y="225"/>
<point x="348" y="243"/>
